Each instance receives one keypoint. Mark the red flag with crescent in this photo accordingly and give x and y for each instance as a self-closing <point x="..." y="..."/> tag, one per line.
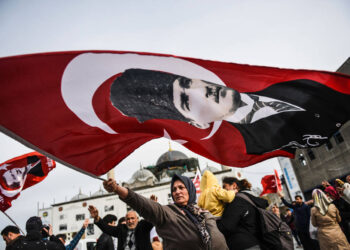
<point x="21" y="173"/>
<point x="91" y="109"/>
<point x="271" y="183"/>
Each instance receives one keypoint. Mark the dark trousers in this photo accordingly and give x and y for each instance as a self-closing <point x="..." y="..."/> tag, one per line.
<point x="307" y="242"/>
<point x="345" y="226"/>
<point x="296" y="237"/>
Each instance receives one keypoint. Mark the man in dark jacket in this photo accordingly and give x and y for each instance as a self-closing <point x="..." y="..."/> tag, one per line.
<point x="35" y="237"/>
<point x="105" y="241"/>
<point x="302" y="217"/>
<point x="239" y="222"/>
<point x="11" y="236"/>
<point x="134" y="235"/>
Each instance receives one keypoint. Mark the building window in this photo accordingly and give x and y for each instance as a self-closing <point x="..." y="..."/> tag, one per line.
<point x="109" y="208"/>
<point x="80" y="217"/>
<point x="63" y="227"/>
<point x="338" y="137"/>
<point x="170" y="199"/>
<point x="62" y="216"/>
<point x="302" y="160"/>
<point x="90" y="230"/>
<point x="311" y="154"/>
<point x="329" y="145"/>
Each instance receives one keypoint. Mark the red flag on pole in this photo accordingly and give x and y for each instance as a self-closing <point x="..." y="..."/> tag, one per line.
<point x="278" y="182"/>
<point x="197" y="181"/>
<point x="20" y="173"/>
<point x="91" y="109"/>
<point x="271" y="183"/>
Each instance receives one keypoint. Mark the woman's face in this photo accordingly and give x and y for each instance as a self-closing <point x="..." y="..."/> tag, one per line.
<point x="180" y="193"/>
<point x="276" y="210"/>
<point x="230" y="187"/>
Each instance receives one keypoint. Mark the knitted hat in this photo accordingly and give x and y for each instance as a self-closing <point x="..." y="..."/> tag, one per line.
<point x="34" y="224"/>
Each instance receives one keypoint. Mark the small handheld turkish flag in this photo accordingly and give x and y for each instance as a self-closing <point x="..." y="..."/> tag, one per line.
<point x="197" y="181"/>
<point x="20" y="173"/>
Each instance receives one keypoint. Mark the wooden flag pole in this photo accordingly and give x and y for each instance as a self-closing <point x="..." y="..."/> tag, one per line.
<point x="13" y="222"/>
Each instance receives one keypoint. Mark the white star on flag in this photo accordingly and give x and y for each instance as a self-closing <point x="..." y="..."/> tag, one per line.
<point x="166" y="135"/>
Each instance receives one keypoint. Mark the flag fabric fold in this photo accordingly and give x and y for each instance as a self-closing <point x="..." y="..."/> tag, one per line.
<point x="21" y="173"/>
<point x="91" y="109"/>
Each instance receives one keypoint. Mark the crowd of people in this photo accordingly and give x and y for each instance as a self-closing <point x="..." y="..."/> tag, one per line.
<point x="227" y="217"/>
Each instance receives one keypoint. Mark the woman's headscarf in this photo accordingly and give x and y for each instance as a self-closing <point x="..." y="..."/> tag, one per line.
<point x="191" y="210"/>
<point x="321" y="201"/>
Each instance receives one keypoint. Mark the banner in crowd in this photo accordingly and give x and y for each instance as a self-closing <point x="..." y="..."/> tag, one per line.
<point x="197" y="181"/>
<point x="271" y="184"/>
<point x="91" y="109"/>
<point x="20" y="173"/>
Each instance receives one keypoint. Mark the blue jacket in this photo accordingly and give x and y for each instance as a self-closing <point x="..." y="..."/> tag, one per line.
<point x="75" y="240"/>
<point x="302" y="215"/>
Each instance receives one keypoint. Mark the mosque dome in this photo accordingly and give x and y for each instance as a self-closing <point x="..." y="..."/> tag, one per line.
<point x="79" y="196"/>
<point x="100" y="192"/>
<point x="211" y="169"/>
<point x="171" y="155"/>
<point x="142" y="175"/>
<point x="189" y="174"/>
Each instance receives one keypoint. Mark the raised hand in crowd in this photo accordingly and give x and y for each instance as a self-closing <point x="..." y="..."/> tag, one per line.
<point x="154" y="198"/>
<point x="280" y="194"/>
<point x="111" y="186"/>
<point x="86" y="222"/>
<point x="50" y="231"/>
<point x="94" y="212"/>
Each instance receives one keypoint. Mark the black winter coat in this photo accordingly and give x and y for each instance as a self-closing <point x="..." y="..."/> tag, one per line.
<point x="142" y="234"/>
<point x="105" y="242"/>
<point x="33" y="240"/>
<point x="239" y="222"/>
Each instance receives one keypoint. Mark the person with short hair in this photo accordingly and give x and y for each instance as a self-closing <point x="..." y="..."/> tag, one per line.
<point x="105" y="241"/>
<point x="239" y="222"/>
<point x="10" y="235"/>
<point x="76" y="238"/>
<point x="302" y="217"/>
<point x="122" y="220"/>
<point x="325" y="216"/>
<point x="133" y="235"/>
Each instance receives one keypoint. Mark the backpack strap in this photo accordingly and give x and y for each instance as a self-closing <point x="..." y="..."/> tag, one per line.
<point x="246" y="198"/>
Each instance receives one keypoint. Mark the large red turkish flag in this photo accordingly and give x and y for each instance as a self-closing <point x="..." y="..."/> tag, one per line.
<point x="90" y="109"/>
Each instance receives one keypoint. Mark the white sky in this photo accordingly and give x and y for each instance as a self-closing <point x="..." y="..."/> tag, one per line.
<point x="310" y="34"/>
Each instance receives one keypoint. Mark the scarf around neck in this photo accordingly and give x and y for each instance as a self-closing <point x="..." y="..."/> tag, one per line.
<point x="192" y="211"/>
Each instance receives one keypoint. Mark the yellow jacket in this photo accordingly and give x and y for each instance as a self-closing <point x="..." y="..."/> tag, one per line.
<point x="213" y="197"/>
